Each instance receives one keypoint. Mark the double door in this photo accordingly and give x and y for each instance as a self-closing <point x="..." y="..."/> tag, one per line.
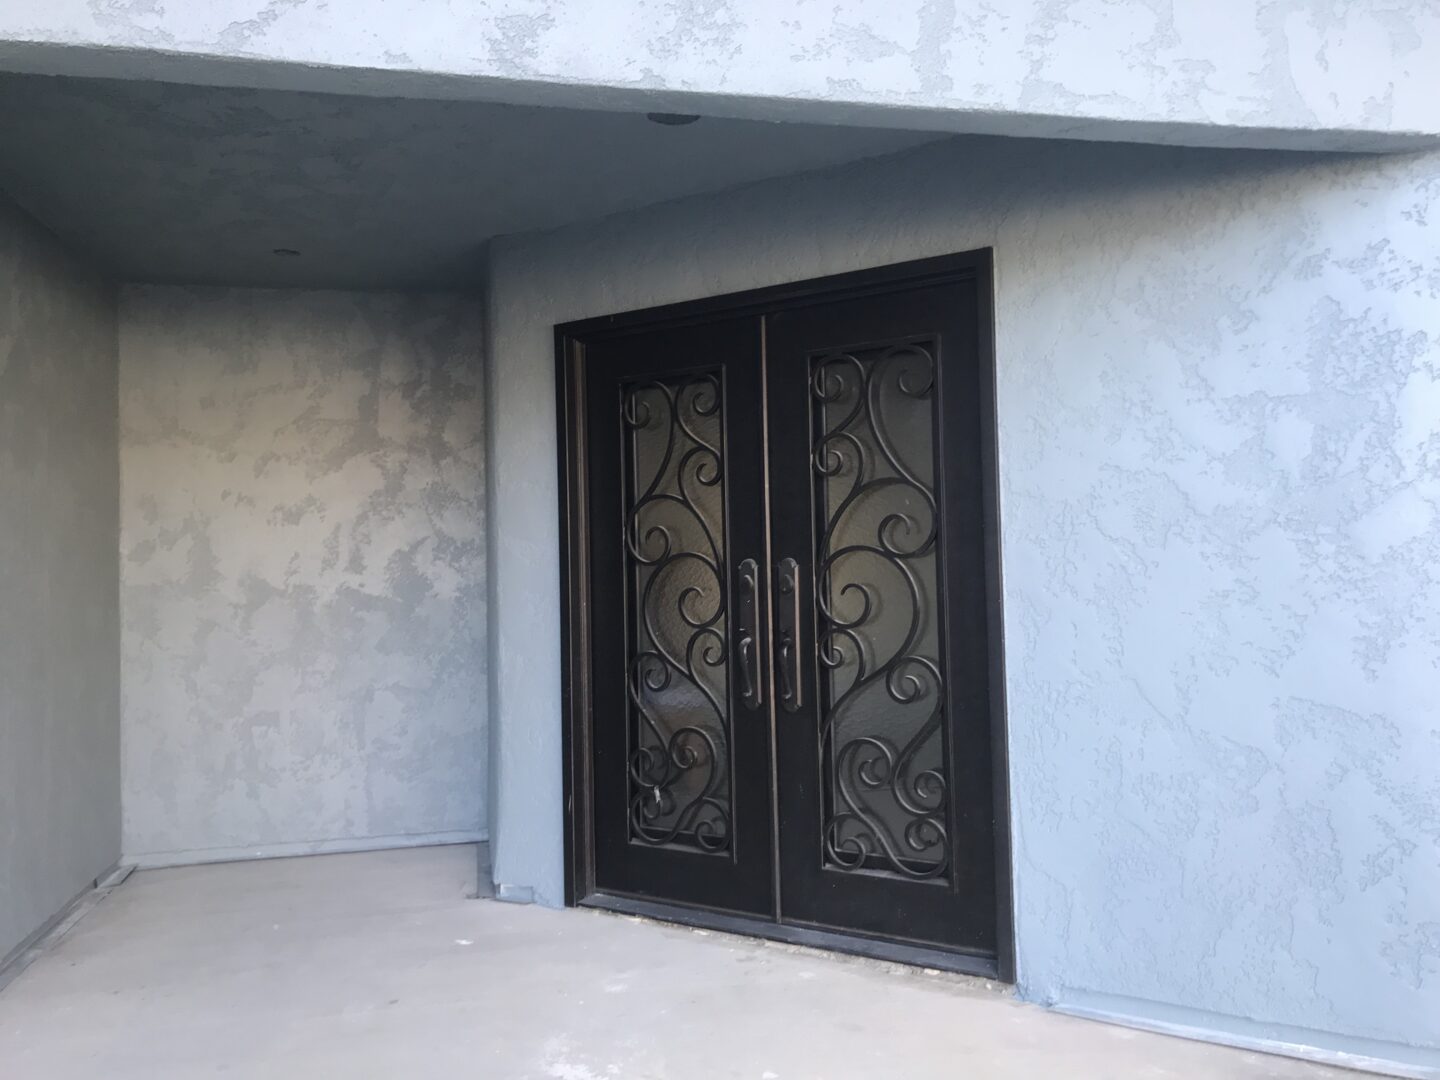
<point x="781" y="567"/>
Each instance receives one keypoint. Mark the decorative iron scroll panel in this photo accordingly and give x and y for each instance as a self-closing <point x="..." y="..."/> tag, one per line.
<point x="677" y="649"/>
<point x="781" y="587"/>
<point x="881" y="711"/>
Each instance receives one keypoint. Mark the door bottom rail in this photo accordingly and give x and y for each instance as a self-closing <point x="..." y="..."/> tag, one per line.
<point x="956" y="961"/>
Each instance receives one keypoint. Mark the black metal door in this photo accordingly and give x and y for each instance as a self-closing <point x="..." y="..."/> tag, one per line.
<point x="681" y="735"/>
<point x="781" y="554"/>
<point x="881" y="647"/>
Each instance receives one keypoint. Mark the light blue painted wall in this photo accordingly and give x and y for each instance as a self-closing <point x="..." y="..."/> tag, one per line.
<point x="59" y="609"/>
<point x="1219" y="377"/>
<point x="302" y="570"/>
<point x="1278" y="73"/>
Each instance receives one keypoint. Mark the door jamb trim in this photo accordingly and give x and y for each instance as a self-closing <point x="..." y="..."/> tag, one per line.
<point x="571" y="340"/>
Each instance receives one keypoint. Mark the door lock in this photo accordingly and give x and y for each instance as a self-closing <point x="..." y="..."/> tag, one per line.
<point x="787" y="639"/>
<point x="747" y="629"/>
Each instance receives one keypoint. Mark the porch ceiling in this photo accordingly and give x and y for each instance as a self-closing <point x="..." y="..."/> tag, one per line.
<point x="174" y="183"/>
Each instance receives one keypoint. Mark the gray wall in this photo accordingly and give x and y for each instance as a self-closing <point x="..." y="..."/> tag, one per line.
<point x="197" y="185"/>
<point x="59" y="623"/>
<point x="1219" y="377"/>
<point x="302" y="570"/>
<point x="1277" y="73"/>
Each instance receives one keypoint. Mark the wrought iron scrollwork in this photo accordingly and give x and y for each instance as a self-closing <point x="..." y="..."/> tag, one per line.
<point x="680" y="736"/>
<point x="882" y="732"/>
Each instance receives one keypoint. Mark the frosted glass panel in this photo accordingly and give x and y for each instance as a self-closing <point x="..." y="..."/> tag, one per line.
<point x="679" y="750"/>
<point x="882" y="697"/>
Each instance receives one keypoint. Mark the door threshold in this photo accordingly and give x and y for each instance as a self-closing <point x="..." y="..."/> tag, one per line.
<point x="980" y="965"/>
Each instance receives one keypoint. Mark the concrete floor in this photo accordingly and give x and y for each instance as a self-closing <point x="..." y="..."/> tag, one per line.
<point x="377" y="965"/>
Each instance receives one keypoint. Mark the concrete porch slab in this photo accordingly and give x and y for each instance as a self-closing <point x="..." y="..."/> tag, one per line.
<point x="380" y="965"/>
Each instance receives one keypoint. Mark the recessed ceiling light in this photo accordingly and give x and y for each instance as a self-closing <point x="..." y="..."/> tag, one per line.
<point x="288" y="253"/>
<point x="671" y="119"/>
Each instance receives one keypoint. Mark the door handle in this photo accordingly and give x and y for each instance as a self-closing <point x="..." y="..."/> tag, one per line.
<point x="746" y="629"/>
<point x="788" y="636"/>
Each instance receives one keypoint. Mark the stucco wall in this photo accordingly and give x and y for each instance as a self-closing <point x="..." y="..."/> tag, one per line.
<point x="302" y="570"/>
<point x="1207" y="72"/>
<point x="59" y="622"/>
<point x="1219" y="377"/>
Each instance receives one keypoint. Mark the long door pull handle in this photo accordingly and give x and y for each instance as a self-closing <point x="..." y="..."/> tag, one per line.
<point x="746" y="628"/>
<point x="788" y="636"/>
<point x="788" y="695"/>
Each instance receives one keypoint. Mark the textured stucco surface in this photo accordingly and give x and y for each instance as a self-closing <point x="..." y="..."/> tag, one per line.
<point x="302" y="568"/>
<point x="1262" y="72"/>
<point x="59" y="604"/>
<point x="1219" y="375"/>
<point x="198" y="185"/>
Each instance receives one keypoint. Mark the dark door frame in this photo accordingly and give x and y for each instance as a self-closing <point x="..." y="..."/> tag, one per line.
<point x="571" y="340"/>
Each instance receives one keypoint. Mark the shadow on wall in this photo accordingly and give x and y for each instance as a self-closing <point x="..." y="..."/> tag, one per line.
<point x="302" y="559"/>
